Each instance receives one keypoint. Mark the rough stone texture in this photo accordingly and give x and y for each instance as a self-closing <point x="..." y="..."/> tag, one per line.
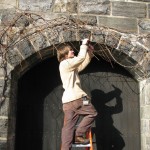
<point x="145" y="126"/>
<point x="86" y="19"/>
<point x="83" y="34"/>
<point x="145" y="41"/>
<point x="131" y="16"/>
<point x="142" y="93"/>
<point x="52" y="35"/>
<point x="144" y="26"/>
<point x="3" y="145"/>
<point x="145" y="112"/>
<point x="148" y="142"/>
<point x="139" y="71"/>
<point x="14" y="57"/>
<point x="66" y="36"/>
<point x="139" y="0"/>
<point x="148" y="10"/>
<point x="112" y="38"/>
<point x="129" y="9"/>
<point x="7" y="16"/>
<point x="8" y="85"/>
<point x="25" y="48"/>
<point x="3" y="127"/>
<point x="36" y="5"/>
<point x="138" y="53"/>
<point x="98" y="36"/>
<point x="121" y="24"/>
<point x="146" y="66"/>
<point x="145" y="61"/>
<point x="69" y="6"/>
<point x="38" y="42"/>
<point x="94" y="7"/>
<point x="4" y="107"/>
<point x="2" y="72"/>
<point x="125" y="45"/>
<point x="147" y="99"/>
<point x="7" y="4"/>
<point x="2" y="82"/>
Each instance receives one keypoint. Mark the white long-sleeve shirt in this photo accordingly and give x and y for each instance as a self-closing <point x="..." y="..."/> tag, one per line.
<point x="69" y="69"/>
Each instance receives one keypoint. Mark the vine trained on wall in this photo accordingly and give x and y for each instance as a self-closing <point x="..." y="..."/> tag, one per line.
<point x="29" y="33"/>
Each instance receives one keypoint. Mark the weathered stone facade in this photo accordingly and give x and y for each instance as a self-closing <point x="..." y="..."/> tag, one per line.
<point x="119" y="24"/>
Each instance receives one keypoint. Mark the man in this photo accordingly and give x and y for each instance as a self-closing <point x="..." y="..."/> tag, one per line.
<point x="72" y="99"/>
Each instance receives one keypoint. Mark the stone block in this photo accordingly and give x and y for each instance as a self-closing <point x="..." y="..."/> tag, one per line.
<point x="148" y="10"/>
<point x="14" y="57"/>
<point x="145" y="41"/>
<point x="145" y="112"/>
<point x="38" y="41"/>
<point x="148" y="142"/>
<point x="25" y="48"/>
<point x="4" y="107"/>
<point x="143" y="141"/>
<point x="138" y="53"/>
<point x="85" y="19"/>
<point x="146" y="65"/>
<point x="145" y="126"/>
<point x="83" y="34"/>
<point x="94" y="7"/>
<point x="147" y="94"/>
<point x="129" y="62"/>
<point x="35" y="5"/>
<point x="128" y="25"/>
<point x="125" y="45"/>
<point x="140" y="0"/>
<point x="2" y="72"/>
<point x="69" y="6"/>
<point x="98" y="37"/>
<point x="3" y="145"/>
<point x="144" y="26"/>
<point x="112" y="38"/>
<point x="139" y="71"/>
<point x="129" y="9"/>
<point x="2" y="85"/>
<point x="52" y="35"/>
<point x="7" y="16"/>
<point x="3" y="127"/>
<point x="67" y="36"/>
<point x="8" y="4"/>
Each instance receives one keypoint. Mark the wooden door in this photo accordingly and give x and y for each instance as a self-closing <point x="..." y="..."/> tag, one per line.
<point x="114" y="94"/>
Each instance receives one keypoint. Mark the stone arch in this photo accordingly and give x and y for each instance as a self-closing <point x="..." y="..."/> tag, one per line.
<point x="30" y="34"/>
<point x="25" y="43"/>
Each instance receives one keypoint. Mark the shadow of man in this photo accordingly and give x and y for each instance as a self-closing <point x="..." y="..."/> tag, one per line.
<point x="107" y="136"/>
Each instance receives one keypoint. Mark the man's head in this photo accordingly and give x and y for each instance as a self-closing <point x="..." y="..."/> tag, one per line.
<point x="64" y="52"/>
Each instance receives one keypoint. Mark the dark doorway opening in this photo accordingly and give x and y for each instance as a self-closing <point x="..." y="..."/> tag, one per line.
<point x="114" y="94"/>
<point x="33" y="87"/>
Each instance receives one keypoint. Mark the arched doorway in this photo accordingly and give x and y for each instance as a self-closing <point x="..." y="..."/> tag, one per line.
<point x="39" y="109"/>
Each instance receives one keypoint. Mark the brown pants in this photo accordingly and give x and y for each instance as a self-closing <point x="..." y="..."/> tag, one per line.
<point x="72" y="111"/>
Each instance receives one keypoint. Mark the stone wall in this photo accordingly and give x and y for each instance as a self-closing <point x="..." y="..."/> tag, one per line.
<point x="128" y="20"/>
<point x="126" y="16"/>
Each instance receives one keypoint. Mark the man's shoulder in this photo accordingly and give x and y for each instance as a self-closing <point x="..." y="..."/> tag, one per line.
<point x="67" y="61"/>
<point x="64" y="64"/>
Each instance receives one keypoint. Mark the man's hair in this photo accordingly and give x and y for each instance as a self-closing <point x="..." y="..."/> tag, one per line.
<point x="62" y="51"/>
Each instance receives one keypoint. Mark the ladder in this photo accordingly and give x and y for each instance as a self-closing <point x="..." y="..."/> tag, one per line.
<point x="87" y="146"/>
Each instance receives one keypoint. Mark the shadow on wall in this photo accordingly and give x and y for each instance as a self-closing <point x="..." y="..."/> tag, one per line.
<point x="107" y="136"/>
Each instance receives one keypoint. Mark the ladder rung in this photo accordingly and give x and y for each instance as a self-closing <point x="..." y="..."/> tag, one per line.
<point x="81" y="145"/>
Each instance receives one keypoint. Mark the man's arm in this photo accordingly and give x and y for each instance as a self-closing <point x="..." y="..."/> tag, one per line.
<point x="87" y="59"/>
<point x="73" y="63"/>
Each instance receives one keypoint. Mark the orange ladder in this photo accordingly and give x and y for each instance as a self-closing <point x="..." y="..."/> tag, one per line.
<point x="87" y="146"/>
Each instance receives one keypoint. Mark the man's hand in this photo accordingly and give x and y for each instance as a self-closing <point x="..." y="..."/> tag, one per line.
<point x="90" y="48"/>
<point x="85" y="42"/>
